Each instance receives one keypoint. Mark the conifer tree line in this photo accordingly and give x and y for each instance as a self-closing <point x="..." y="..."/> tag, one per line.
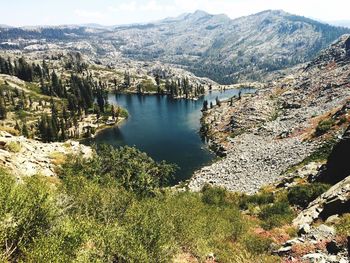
<point x="183" y="88"/>
<point x="179" y="87"/>
<point x="78" y="92"/>
<point x="22" y="69"/>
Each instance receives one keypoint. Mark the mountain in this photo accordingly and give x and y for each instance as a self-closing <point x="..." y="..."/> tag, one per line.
<point x="226" y="50"/>
<point x="289" y="123"/>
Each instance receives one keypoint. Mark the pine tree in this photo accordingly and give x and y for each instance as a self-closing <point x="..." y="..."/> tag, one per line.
<point x="3" y="110"/>
<point x="157" y="79"/>
<point x="45" y="70"/>
<point x="205" y="105"/>
<point x="17" y="127"/>
<point x="126" y="79"/>
<point x="25" y="131"/>
<point x="218" y="102"/>
<point x="56" y="85"/>
<point x="63" y="130"/>
<point x="100" y="101"/>
<point x="113" y="112"/>
<point x="42" y="128"/>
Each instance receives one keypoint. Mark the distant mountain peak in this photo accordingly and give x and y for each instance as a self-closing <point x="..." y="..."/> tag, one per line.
<point x="200" y="13"/>
<point x="274" y="12"/>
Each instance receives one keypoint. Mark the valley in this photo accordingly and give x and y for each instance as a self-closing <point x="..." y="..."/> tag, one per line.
<point x="196" y="138"/>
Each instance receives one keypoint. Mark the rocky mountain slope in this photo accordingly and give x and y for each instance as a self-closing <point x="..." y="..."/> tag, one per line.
<point x="26" y="157"/>
<point x="291" y="121"/>
<point x="214" y="46"/>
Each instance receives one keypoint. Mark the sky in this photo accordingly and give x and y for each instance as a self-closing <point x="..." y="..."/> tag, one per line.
<point x="117" y="12"/>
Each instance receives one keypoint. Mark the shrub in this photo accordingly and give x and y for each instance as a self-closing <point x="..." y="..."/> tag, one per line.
<point x="256" y="244"/>
<point x="342" y="120"/>
<point x="343" y="227"/>
<point x="256" y="199"/>
<point x="58" y="158"/>
<point x="27" y="210"/>
<point x="275" y="215"/>
<point x="213" y="195"/>
<point x="14" y="147"/>
<point x="97" y="214"/>
<point x="132" y="169"/>
<point x="302" y="195"/>
<point x="10" y="130"/>
<point x="324" y="126"/>
<point x="321" y="153"/>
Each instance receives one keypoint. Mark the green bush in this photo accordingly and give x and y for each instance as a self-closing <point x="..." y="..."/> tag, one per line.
<point x="324" y="126"/>
<point x="96" y="214"/>
<point x="257" y="244"/>
<point x="302" y="195"/>
<point x="276" y="214"/>
<point x="132" y="169"/>
<point x="14" y="147"/>
<point x="212" y="195"/>
<point x="26" y="211"/>
<point x="256" y="199"/>
<point x="343" y="226"/>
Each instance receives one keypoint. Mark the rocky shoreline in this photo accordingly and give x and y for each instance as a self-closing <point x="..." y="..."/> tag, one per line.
<point x="265" y="134"/>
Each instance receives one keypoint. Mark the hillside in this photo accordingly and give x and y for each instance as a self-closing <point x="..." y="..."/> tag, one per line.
<point x="294" y="119"/>
<point x="213" y="46"/>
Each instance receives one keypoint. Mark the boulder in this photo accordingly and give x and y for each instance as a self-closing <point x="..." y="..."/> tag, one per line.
<point x="335" y="201"/>
<point x="304" y="229"/>
<point x="325" y="230"/>
<point x="315" y="258"/>
<point x="283" y="250"/>
<point x="333" y="219"/>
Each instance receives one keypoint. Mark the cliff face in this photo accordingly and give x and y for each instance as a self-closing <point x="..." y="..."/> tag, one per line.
<point x="337" y="167"/>
<point x="281" y="125"/>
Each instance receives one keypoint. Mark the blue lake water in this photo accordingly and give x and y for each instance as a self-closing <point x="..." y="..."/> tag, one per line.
<point x="166" y="129"/>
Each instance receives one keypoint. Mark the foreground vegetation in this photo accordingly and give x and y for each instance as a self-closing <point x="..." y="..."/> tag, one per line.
<point x="115" y="208"/>
<point x="117" y="211"/>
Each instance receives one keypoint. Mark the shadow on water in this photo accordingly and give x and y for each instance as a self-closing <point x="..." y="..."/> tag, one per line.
<point x="164" y="128"/>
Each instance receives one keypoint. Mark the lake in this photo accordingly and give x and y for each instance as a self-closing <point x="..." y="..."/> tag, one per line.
<point x="165" y="128"/>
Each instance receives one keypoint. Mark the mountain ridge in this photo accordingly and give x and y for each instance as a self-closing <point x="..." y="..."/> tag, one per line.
<point x="226" y="50"/>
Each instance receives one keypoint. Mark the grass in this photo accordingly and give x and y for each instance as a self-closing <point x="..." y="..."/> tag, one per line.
<point x="343" y="227"/>
<point x="13" y="147"/>
<point x="324" y="126"/>
<point x="275" y="215"/>
<point x="101" y="222"/>
<point x="302" y="195"/>
<point x="33" y="87"/>
<point x="149" y="86"/>
<point x="10" y="130"/>
<point x="58" y="158"/>
<point x="237" y="132"/>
